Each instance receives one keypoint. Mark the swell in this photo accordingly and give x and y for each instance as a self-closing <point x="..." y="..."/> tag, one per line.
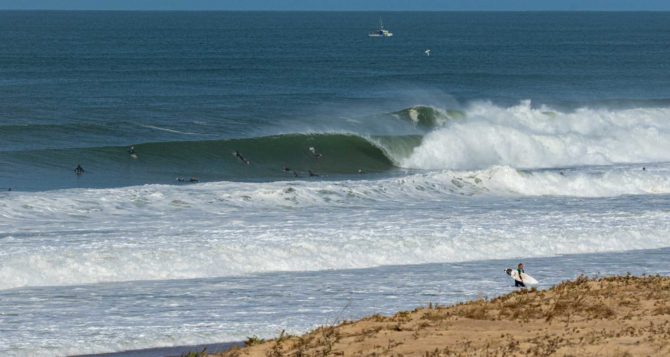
<point x="17" y="137"/>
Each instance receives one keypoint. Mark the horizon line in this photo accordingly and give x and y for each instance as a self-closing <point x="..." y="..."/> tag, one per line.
<point x="314" y="10"/>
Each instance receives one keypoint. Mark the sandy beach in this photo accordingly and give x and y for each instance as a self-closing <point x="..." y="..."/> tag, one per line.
<point x="613" y="316"/>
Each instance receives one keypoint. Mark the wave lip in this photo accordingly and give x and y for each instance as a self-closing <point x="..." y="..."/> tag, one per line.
<point x="429" y="117"/>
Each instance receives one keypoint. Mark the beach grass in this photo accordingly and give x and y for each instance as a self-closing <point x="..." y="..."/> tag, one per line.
<point x="610" y="316"/>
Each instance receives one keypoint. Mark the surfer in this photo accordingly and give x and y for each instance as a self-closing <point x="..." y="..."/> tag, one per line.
<point x="294" y="172"/>
<point x="193" y="179"/>
<point x="316" y="155"/>
<point x="312" y="174"/>
<point x="242" y="158"/>
<point x="131" y="152"/>
<point x="519" y="269"/>
<point x="79" y="170"/>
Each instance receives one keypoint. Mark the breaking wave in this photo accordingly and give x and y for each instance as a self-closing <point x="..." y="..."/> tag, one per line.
<point x="522" y="136"/>
<point x="479" y="136"/>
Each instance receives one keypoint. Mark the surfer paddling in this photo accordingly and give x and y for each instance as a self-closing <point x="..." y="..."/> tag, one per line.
<point x="289" y="170"/>
<point x="241" y="158"/>
<point x="193" y="179"/>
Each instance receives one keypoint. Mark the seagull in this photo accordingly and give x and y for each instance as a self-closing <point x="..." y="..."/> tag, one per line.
<point x="427" y="52"/>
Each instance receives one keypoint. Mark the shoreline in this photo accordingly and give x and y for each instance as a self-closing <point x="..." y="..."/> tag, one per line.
<point x="174" y="351"/>
<point x="617" y="315"/>
<point x="549" y="269"/>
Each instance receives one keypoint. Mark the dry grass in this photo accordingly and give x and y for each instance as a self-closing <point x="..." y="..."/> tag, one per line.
<point x="614" y="316"/>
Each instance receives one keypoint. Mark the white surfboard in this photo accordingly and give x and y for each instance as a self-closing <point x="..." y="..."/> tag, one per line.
<point x="525" y="278"/>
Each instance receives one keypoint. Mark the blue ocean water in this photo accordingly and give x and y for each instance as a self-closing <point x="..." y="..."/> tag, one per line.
<point x="316" y="150"/>
<point x="81" y="87"/>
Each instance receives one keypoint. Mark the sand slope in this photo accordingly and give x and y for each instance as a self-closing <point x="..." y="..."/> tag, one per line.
<point x="615" y="316"/>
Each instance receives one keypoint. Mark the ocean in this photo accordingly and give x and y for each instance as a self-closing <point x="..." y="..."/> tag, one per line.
<point x="252" y="172"/>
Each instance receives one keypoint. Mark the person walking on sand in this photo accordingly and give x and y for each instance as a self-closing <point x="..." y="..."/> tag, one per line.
<point x="519" y="270"/>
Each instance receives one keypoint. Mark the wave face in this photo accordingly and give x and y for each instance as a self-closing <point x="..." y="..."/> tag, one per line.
<point x="525" y="137"/>
<point x="269" y="158"/>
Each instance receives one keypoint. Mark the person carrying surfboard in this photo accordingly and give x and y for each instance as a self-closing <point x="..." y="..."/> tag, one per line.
<point x="519" y="270"/>
<point x="521" y="279"/>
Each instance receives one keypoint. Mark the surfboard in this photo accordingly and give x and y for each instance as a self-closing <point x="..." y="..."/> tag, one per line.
<point x="525" y="278"/>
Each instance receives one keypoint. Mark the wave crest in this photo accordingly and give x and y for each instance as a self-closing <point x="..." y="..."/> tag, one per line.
<point x="525" y="137"/>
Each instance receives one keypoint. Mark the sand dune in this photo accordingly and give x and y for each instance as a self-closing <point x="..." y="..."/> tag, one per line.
<point x="614" y="316"/>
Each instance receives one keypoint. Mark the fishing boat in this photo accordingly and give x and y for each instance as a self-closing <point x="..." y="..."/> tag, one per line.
<point x="381" y="32"/>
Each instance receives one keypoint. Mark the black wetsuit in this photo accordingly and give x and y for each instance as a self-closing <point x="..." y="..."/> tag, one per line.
<point x="519" y="283"/>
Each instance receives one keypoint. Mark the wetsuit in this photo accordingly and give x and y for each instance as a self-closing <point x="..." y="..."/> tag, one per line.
<point x="519" y="283"/>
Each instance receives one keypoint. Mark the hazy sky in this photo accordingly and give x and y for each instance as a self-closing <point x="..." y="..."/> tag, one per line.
<point x="374" y="5"/>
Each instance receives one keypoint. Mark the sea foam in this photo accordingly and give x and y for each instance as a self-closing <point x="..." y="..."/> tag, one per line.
<point x="159" y="232"/>
<point x="522" y="136"/>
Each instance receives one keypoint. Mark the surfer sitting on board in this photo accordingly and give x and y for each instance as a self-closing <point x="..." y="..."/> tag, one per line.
<point x="79" y="170"/>
<point x="242" y="158"/>
<point x="519" y="269"/>
<point x="132" y="153"/>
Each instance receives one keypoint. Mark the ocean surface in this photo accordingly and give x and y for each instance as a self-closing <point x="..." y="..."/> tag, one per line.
<point x="249" y="172"/>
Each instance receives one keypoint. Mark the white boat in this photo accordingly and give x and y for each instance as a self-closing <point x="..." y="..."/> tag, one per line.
<point x="381" y="32"/>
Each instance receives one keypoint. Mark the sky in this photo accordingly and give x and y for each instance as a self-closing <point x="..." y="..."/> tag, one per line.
<point x="340" y="5"/>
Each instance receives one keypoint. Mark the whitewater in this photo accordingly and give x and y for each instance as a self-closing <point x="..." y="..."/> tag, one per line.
<point x="493" y="182"/>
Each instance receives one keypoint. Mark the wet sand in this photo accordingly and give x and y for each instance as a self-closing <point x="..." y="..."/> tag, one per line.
<point x="176" y="351"/>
